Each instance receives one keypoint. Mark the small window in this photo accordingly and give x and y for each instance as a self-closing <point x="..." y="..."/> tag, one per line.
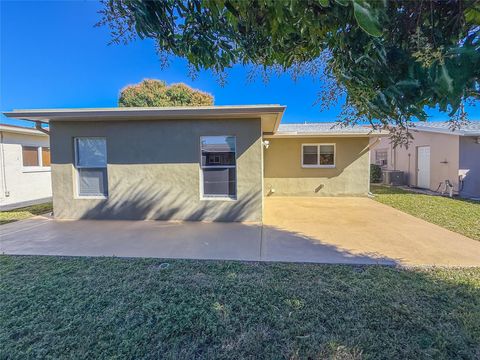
<point x="30" y="156"/>
<point x="318" y="155"/>
<point x="381" y="157"/>
<point x="91" y="164"/>
<point x="218" y="166"/>
<point x="45" y="156"/>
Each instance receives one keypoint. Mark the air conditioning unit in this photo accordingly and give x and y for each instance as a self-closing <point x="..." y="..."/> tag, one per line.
<point x="393" y="177"/>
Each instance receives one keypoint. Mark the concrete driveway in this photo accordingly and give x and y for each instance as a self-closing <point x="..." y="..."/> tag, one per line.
<point x="324" y="230"/>
<point x="360" y="228"/>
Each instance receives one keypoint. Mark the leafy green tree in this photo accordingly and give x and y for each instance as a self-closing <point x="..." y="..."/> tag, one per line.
<point x="391" y="58"/>
<point x="153" y="93"/>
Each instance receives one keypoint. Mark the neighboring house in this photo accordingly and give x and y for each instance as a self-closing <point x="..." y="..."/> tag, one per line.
<point x="435" y="155"/>
<point x="24" y="167"/>
<point x="199" y="163"/>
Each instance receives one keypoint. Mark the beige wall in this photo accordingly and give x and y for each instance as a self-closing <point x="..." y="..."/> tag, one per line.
<point x="153" y="170"/>
<point x="470" y="164"/>
<point x="284" y="172"/>
<point x="382" y="144"/>
<point x="21" y="185"/>
<point x="444" y="157"/>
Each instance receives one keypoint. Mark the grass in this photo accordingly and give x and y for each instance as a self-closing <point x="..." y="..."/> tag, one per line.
<point x="53" y="307"/>
<point x="24" y="213"/>
<point x="459" y="215"/>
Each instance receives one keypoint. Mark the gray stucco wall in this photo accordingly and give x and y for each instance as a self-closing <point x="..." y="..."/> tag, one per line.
<point x="153" y="170"/>
<point x="470" y="161"/>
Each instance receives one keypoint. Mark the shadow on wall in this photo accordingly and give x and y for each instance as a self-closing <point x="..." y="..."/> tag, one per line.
<point x="143" y="204"/>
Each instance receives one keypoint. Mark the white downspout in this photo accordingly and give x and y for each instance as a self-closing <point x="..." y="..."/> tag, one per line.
<point x="4" y="174"/>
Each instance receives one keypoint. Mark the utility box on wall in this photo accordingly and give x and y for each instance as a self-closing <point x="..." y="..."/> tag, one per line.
<point x="393" y="177"/>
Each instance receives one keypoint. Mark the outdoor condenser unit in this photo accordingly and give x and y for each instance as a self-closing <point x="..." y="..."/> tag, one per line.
<point x="393" y="177"/>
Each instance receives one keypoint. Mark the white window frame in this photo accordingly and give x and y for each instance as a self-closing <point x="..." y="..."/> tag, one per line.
<point x="204" y="197"/>
<point x="318" y="166"/>
<point x="77" y="173"/>
<point x="39" y="167"/>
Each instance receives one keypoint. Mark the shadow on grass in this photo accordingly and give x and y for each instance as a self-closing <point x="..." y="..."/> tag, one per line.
<point x="378" y="189"/>
<point x="125" y="308"/>
<point x="456" y="214"/>
<point x="8" y="216"/>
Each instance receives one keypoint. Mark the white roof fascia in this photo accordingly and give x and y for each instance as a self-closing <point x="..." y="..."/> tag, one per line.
<point x="21" y="130"/>
<point x="270" y="115"/>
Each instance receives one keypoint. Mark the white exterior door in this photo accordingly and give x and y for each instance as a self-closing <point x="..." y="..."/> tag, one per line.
<point x="423" y="163"/>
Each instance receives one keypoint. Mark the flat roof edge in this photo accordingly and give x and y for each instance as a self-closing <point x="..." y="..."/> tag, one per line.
<point x="58" y="114"/>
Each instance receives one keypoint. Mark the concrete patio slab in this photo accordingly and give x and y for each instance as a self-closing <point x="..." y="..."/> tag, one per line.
<point x="322" y="230"/>
<point x="360" y="228"/>
<point x="190" y="240"/>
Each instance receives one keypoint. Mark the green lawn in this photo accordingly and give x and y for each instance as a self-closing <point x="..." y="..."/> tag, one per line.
<point x="24" y="213"/>
<point x="462" y="216"/>
<point x="53" y="307"/>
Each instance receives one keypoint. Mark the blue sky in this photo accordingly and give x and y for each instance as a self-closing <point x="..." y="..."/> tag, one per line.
<point x="52" y="56"/>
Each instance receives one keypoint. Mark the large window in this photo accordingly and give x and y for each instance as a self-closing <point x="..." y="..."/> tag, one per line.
<point x="34" y="156"/>
<point x="218" y="167"/>
<point x="91" y="164"/>
<point x="318" y="155"/>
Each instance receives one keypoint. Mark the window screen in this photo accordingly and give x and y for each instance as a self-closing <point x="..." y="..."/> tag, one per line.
<point x="218" y="165"/>
<point x="92" y="182"/>
<point x="30" y="156"/>
<point x="91" y="164"/>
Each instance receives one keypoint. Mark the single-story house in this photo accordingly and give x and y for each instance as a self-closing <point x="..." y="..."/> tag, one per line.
<point x="212" y="163"/>
<point x="24" y="167"/>
<point x="436" y="155"/>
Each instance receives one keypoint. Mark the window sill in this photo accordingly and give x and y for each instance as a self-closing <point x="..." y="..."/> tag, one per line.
<point x="318" y="166"/>
<point x="99" y="197"/>
<point x="203" y="198"/>
<point x="34" y="169"/>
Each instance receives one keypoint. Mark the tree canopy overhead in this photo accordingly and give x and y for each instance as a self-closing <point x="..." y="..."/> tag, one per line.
<point x="392" y="58"/>
<point x="156" y="93"/>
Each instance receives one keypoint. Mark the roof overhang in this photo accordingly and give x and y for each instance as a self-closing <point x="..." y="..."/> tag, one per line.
<point x="458" y="132"/>
<point x="270" y="115"/>
<point x="326" y="134"/>
<point x="21" y="130"/>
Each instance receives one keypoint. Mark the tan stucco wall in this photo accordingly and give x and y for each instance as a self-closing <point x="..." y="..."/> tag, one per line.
<point x="284" y="172"/>
<point x="153" y="170"/>
<point x="444" y="157"/>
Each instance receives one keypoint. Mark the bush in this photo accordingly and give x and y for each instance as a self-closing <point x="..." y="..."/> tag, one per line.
<point x="375" y="173"/>
<point x="156" y="93"/>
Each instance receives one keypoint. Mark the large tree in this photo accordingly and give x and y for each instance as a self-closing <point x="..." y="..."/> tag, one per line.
<point x="153" y="93"/>
<point x="392" y="58"/>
